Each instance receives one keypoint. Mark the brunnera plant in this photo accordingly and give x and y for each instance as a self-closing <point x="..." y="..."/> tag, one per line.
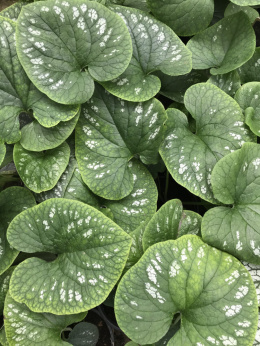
<point x="115" y="116"/>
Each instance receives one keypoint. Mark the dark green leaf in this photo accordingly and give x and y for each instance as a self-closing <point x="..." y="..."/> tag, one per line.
<point x="249" y="11"/>
<point x="84" y="334"/>
<point x="250" y="71"/>
<point x="229" y="82"/>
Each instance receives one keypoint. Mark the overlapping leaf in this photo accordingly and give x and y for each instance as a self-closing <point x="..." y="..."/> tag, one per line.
<point x="2" y="152"/>
<point x="12" y="202"/>
<point x="250" y="71"/>
<point x="216" y="47"/>
<point x="228" y="82"/>
<point x="245" y="2"/>
<point x="140" y="4"/>
<point x="235" y="180"/>
<point x="92" y="251"/>
<point x="65" y="45"/>
<point x="40" y="171"/>
<point x="109" y="133"/>
<point x="4" y="286"/>
<point x="184" y="17"/>
<point x="155" y="47"/>
<point x="12" y="12"/>
<point x="84" y="334"/>
<point x="220" y="129"/>
<point x="254" y="271"/>
<point x="249" y="11"/>
<point x="27" y="328"/>
<point x="213" y="291"/>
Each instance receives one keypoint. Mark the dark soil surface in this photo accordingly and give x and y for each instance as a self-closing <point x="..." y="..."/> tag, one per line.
<point x="6" y="3"/>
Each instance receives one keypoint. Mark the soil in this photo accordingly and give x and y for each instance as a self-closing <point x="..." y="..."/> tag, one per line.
<point x="6" y="3"/>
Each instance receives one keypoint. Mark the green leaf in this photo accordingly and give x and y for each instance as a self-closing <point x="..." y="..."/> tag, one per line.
<point x="40" y="171"/>
<point x="18" y="199"/>
<point x="8" y="155"/>
<point x="229" y="82"/>
<point x="254" y="271"/>
<point x="250" y="70"/>
<point x="169" y="220"/>
<point x="77" y="42"/>
<point x="35" y="137"/>
<point x="184" y="17"/>
<point x="92" y="251"/>
<point x="84" y="334"/>
<point x="220" y="129"/>
<point x="3" y="339"/>
<point x="155" y="47"/>
<point x="140" y="4"/>
<point x="12" y="12"/>
<point x="245" y="2"/>
<point x="175" y="87"/>
<point x="136" y="250"/>
<point x="257" y="337"/>
<point x="248" y="99"/>
<point x="249" y="11"/>
<point x="217" y="46"/>
<point x="4" y="286"/>
<point x="27" y="328"/>
<point x="109" y="133"/>
<point x="212" y="290"/>
<point x="235" y="181"/>
<point x="2" y="152"/>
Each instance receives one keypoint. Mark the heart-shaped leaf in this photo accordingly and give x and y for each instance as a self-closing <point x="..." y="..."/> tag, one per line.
<point x="155" y="47"/>
<point x="17" y="94"/>
<point x="84" y="334"/>
<point x="168" y="222"/>
<point x="92" y="251"/>
<point x="12" y="12"/>
<point x="228" y="82"/>
<point x="250" y="70"/>
<point x="18" y="199"/>
<point x="248" y="98"/>
<point x="249" y="11"/>
<point x="235" y="180"/>
<point x="35" y="137"/>
<point x="254" y="271"/>
<point x="220" y="129"/>
<point x="2" y="152"/>
<point x="40" y="171"/>
<point x="213" y="291"/>
<point x="217" y="46"/>
<point x="109" y="133"/>
<point x="26" y="328"/>
<point x="4" y="286"/>
<point x="77" y="42"/>
<point x="182" y="16"/>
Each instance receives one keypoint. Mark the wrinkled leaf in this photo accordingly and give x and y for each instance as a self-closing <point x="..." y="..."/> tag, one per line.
<point x="212" y="290"/>
<point x="250" y="71"/>
<point x="229" y="82"/>
<point x="235" y="182"/>
<point x="98" y="46"/>
<point x="84" y="334"/>
<point x="92" y="251"/>
<point x="216" y="47"/>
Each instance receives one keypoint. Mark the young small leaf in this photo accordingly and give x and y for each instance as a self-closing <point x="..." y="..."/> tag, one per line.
<point x="84" y="334"/>
<point x="228" y="82"/>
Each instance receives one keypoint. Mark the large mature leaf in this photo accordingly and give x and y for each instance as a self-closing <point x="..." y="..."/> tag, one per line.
<point x="84" y="334"/>
<point x="92" y="251"/>
<point x="228" y="82"/>
<point x="12" y="202"/>
<point x="40" y="171"/>
<point x="249" y="11"/>
<point x="213" y="291"/>
<point x="12" y="12"/>
<point x="4" y="286"/>
<point x="17" y="94"/>
<point x="37" y="138"/>
<point x="27" y="328"/>
<point x="76" y="41"/>
<point x="186" y="18"/>
<point x="220" y="129"/>
<point x="109" y="133"/>
<point x="248" y="98"/>
<point x="155" y="47"/>
<point x="254" y="271"/>
<point x="167" y="222"/>
<point x="2" y="152"/>
<point x="236" y="181"/>
<point x="217" y="46"/>
<point x="250" y="71"/>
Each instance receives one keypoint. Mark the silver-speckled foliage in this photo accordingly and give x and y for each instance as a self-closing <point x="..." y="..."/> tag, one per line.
<point x="12" y="202"/>
<point x="236" y="182"/>
<point x="213" y="291"/>
<point x="216" y="47"/>
<point x="12" y="12"/>
<point x="228" y="82"/>
<point x="186" y="18"/>
<point x="155" y="47"/>
<point x="219" y="130"/>
<point x="40" y="171"/>
<point x="109" y="133"/>
<point x="254" y="271"/>
<point x="4" y="286"/>
<point x="92" y="251"/>
<point x="65" y="45"/>
<point x="26" y="328"/>
<point x="250" y="71"/>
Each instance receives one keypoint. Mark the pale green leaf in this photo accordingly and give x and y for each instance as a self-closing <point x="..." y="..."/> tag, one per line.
<point x="26" y="328"/>
<point x="228" y="82"/>
<point x="217" y="47"/>
<point x="257" y="337"/>
<point x="235" y="180"/>
<point x="2" y="152"/>
<point x="219" y="129"/>
<point x="155" y="47"/>
<point x="4" y="286"/>
<point x="77" y="42"/>
<point x="3" y="339"/>
<point x="12" y="12"/>
<point x="140" y="4"/>
<point x="250" y="71"/>
<point x="109" y="133"/>
<point x="40" y="171"/>
<point x="184" y="17"/>
<point x="84" y="334"/>
<point x="136" y="250"/>
<point x="246" y="2"/>
<point x="212" y="290"/>
<point x="249" y="11"/>
<point x="12" y="202"/>
<point x="92" y="251"/>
